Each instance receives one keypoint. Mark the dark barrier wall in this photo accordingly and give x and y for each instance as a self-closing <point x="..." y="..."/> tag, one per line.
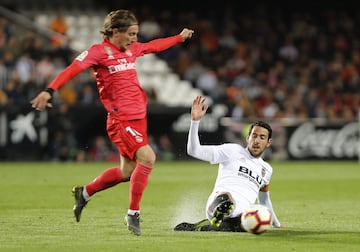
<point x="23" y="133"/>
<point x="26" y="134"/>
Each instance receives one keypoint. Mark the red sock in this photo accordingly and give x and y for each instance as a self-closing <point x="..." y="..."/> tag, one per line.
<point x="138" y="182"/>
<point x="106" y="179"/>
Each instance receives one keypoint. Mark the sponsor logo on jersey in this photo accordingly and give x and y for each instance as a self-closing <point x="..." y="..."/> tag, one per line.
<point x="82" y="56"/>
<point x="263" y="171"/>
<point x="122" y="66"/>
<point x="251" y="175"/>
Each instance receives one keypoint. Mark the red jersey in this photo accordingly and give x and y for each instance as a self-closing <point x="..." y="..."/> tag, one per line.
<point x="116" y="76"/>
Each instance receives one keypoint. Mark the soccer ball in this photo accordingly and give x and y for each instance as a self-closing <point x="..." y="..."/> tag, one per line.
<point x="257" y="219"/>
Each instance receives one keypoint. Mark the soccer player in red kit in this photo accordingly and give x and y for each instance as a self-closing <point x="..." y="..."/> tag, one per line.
<point x="113" y="63"/>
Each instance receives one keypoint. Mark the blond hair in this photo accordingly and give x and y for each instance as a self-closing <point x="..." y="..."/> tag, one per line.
<point x="120" y="19"/>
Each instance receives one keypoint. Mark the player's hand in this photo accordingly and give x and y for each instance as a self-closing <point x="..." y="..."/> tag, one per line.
<point x="198" y="108"/>
<point x="186" y="33"/>
<point x="41" y="101"/>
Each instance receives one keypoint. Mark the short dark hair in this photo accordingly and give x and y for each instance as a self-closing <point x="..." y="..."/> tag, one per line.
<point x="120" y="19"/>
<point x="263" y="125"/>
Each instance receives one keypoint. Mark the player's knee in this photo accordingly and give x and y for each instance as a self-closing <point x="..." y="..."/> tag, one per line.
<point x="219" y="199"/>
<point x="149" y="160"/>
<point x="146" y="156"/>
<point x="223" y="196"/>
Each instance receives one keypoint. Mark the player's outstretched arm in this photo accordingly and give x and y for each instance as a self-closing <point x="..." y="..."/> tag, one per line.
<point x="43" y="99"/>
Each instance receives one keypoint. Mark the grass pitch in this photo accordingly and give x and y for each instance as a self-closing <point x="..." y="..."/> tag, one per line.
<point x="317" y="203"/>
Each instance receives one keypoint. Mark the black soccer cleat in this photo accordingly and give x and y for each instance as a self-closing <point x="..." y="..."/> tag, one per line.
<point x="224" y="207"/>
<point x="80" y="202"/>
<point x="185" y="226"/>
<point x="133" y="223"/>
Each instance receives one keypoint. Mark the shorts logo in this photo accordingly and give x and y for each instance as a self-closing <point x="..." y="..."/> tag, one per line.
<point x="138" y="136"/>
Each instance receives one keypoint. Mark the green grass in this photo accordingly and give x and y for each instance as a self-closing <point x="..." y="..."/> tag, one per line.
<point x="317" y="202"/>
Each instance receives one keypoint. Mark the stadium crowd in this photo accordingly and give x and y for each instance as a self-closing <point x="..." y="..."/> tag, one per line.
<point x="262" y="63"/>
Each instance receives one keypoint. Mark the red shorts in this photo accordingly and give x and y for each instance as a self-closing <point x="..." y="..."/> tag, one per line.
<point x="128" y="136"/>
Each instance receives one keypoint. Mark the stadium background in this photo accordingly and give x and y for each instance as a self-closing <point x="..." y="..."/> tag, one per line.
<point x="295" y="65"/>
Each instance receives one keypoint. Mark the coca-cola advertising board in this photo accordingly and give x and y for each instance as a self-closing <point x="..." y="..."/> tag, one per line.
<point x="311" y="140"/>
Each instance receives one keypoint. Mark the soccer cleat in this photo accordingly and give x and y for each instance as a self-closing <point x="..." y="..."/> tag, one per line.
<point x="222" y="210"/>
<point x="227" y="225"/>
<point x="133" y="223"/>
<point x="80" y="202"/>
<point x="185" y="226"/>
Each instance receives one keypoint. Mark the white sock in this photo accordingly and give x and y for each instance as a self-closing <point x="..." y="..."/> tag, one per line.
<point x="132" y="212"/>
<point x="85" y="194"/>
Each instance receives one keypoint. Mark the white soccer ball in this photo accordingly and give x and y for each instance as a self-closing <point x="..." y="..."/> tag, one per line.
<point x="257" y="219"/>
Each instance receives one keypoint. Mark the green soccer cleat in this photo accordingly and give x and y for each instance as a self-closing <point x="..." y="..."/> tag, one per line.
<point x="133" y="223"/>
<point x="221" y="211"/>
<point x="80" y="202"/>
<point x="185" y="226"/>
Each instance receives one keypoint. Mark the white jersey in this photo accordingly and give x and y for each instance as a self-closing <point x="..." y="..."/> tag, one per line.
<point x="239" y="173"/>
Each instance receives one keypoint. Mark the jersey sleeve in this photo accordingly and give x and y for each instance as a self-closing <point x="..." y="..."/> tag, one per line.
<point x="212" y="153"/>
<point x="90" y="57"/>
<point x="65" y="75"/>
<point x="157" y="45"/>
<point x="82" y="62"/>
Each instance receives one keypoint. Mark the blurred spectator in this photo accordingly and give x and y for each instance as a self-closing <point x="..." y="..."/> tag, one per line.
<point x="5" y="31"/>
<point x="3" y="38"/>
<point x="58" y="25"/>
<point x="88" y="95"/>
<point x="37" y="49"/>
<point x="208" y="82"/>
<point x="45" y="70"/>
<point x="209" y="39"/>
<point x="24" y="66"/>
<point x="193" y="71"/>
<point x="227" y="39"/>
<point x="3" y="98"/>
<point x="68" y="94"/>
<point x="166" y="151"/>
<point x="100" y="150"/>
<point x="59" y="147"/>
<point x="288" y="51"/>
<point x="63" y="145"/>
<point x="13" y="92"/>
<point x="149" y="28"/>
<point x="8" y="59"/>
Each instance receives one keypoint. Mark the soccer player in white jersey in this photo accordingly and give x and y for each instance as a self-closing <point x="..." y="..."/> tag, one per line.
<point x="243" y="176"/>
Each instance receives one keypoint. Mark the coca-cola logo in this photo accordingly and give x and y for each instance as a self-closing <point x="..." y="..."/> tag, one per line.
<point x="308" y="141"/>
